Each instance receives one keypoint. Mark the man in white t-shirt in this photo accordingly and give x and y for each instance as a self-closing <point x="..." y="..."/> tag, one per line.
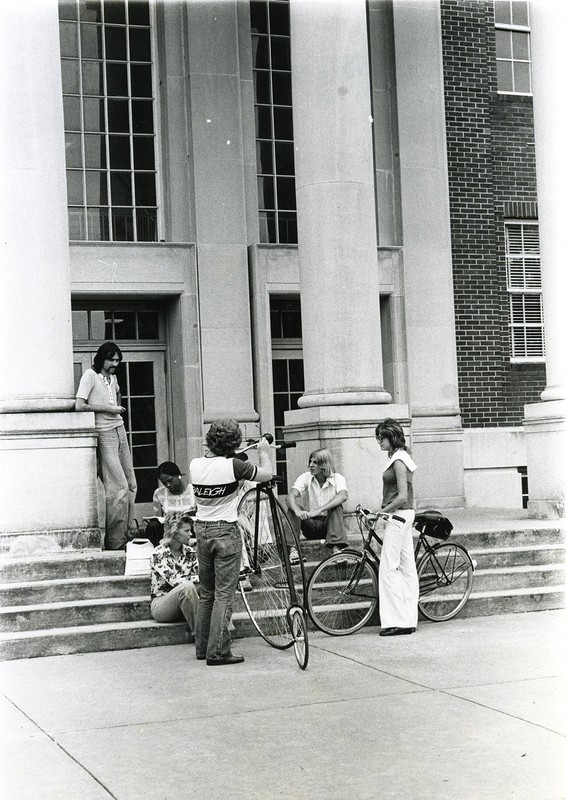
<point x="99" y="392"/>
<point x="316" y="499"/>
<point x="215" y="479"/>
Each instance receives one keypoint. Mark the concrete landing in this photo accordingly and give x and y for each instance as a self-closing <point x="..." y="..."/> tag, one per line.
<point x="470" y="709"/>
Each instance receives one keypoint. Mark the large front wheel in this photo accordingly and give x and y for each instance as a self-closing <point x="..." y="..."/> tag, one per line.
<point x="342" y="593"/>
<point x="446" y="574"/>
<point x="274" y="588"/>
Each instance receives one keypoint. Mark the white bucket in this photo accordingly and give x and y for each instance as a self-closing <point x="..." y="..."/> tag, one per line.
<point x="138" y="553"/>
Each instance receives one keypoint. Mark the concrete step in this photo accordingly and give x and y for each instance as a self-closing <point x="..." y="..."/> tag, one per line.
<point x="75" y="565"/>
<point x="525" y="576"/>
<point x="92" y="638"/>
<point x="492" y="557"/>
<point x="74" y="613"/>
<point x="72" y="589"/>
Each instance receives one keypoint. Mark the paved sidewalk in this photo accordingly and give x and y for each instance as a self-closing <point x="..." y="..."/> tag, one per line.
<point x="470" y="709"/>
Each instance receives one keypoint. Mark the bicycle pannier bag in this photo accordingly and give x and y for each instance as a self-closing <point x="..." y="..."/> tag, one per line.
<point x="433" y="524"/>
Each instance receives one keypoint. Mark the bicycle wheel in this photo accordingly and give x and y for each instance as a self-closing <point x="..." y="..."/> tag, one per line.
<point x="273" y="592"/>
<point x="300" y="636"/>
<point x="446" y="575"/>
<point x="342" y="593"/>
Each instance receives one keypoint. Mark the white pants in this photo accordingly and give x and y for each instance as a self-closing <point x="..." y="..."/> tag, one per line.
<point x="398" y="580"/>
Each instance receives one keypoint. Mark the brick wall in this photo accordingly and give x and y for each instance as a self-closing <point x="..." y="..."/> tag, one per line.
<point x="491" y="168"/>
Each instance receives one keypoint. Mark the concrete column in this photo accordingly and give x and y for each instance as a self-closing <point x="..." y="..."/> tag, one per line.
<point x="344" y="393"/>
<point x="545" y="422"/>
<point x="220" y="215"/>
<point x="47" y="452"/>
<point x="429" y="301"/>
<point x="336" y="204"/>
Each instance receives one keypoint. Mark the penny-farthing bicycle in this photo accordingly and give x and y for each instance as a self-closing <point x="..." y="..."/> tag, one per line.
<point x="276" y="604"/>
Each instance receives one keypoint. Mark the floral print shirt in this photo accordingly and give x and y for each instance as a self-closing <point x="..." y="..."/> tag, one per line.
<point x="169" y="570"/>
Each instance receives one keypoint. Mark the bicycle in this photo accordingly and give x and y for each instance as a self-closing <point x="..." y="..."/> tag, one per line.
<point x="342" y="592"/>
<point x="276" y="604"/>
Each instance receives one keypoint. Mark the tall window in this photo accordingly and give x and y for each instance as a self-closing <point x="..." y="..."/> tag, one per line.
<point x="274" y="121"/>
<point x="106" y="66"/>
<point x="522" y="253"/>
<point x="513" y="46"/>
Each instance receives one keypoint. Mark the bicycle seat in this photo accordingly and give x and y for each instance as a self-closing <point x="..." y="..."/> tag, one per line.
<point x="433" y="523"/>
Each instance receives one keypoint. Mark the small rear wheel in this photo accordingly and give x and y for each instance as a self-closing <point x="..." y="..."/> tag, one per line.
<point x="300" y="633"/>
<point x="342" y="593"/>
<point x="446" y="575"/>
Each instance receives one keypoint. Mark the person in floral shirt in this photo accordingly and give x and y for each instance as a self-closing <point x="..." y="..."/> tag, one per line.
<point x="174" y="573"/>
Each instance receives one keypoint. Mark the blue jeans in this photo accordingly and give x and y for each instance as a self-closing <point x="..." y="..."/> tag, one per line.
<point x="219" y="549"/>
<point x="119" y="479"/>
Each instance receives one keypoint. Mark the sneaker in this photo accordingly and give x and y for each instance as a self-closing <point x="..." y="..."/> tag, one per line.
<point x="294" y="556"/>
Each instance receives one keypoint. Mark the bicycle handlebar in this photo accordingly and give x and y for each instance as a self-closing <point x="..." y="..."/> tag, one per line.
<point x="254" y="443"/>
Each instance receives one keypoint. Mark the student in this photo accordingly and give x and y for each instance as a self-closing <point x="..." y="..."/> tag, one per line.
<point x="173" y="500"/>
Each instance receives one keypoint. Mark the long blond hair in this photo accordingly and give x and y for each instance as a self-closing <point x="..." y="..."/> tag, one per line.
<point x="323" y="458"/>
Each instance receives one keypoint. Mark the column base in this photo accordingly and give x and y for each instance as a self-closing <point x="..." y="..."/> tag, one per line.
<point x="48" y="464"/>
<point x="344" y="399"/>
<point x="437" y="443"/>
<point x="545" y="435"/>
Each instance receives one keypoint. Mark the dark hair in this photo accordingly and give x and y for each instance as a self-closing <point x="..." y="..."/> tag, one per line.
<point x="168" y="468"/>
<point x="223" y="437"/>
<point x="393" y="431"/>
<point x="105" y="351"/>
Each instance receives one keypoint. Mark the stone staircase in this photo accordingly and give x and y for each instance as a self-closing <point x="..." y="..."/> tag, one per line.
<point x="83" y="602"/>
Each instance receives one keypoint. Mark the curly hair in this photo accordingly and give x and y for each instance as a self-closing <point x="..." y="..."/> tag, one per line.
<point x="223" y="437"/>
<point x="105" y="351"/>
<point x="393" y="431"/>
<point x="323" y="458"/>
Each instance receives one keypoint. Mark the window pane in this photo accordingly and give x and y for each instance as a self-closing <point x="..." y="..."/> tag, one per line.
<point x="138" y="12"/>
<point x="504" y="76"/>
<point x="280" y="405"/>
<point x="94" y="114"/>
<point x="125" y="328"/>
<point x="80" y="324"/>
<point x="91" y="41"/>
<point x="283" y="122"/>
<point x="260" y="49"/>
<point x="142" y="116"/>
<point x="98" y="228"/>
<point x="264" y="158"/>
<point x="263" y="122"/>
<point x="282" y="88"/>
<point x="296" y="373"/>
<point x="280" y="379"/>
<point x="265" y="193"/>
<point x="280" y="54"/>
<point x="267" y="228"/>
<point x="522" y="72"/>
<point x="520" y="12"/>
<point x="285" y="158"/>
<point x="119" y="149"/>
<point x="74" y="187"/>
<point x="291" y="324"/>
<point x="502" y="10"/>
<point x="520" y="46"/>
<point x="148" y="325"/>
<point x="146" y="480"/>
<point x="118" y="119"/>
<point x="73" y="154"/>
<point x="70" y="76"/>
<point x="145" y="189"/>
<point x="279" y="18"/>
<point x="90" y="11"/>
<point x="503" y="44"/>
<point x="69" y="38"/>
<point x="143" y="414"/>
<point x="95" y="152"/>
<point x="141" y="80"/>
<point x="96" y="189"/>
<point x="262" y="87"/>
<point x="275" y="320"/>
<point x="77" y="227"/>
<point x="67" y="9"/>
<point x="144" y="156"/>
<point x="92" y="78"/>
<point x="141" y="376"/>
<point x="258" y="15"/>
<point x="123" y="224"/>
<point x="140" y="44"/>
<point x="286" y="193"/>
<point x="115" y="11"/>
<point x="146" y="224"/>
<point x="144" y="455"/>
<point x="288" y="228"/>
<point x="116" y="80"/>
<point x="72" y="113"/>
<point x="121" y="188"/>
<point x="116" y="48"/>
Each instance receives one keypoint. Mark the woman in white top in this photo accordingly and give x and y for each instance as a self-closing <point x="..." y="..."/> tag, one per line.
<point x="398" y="579"/>
<point x="172" y="501"/>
